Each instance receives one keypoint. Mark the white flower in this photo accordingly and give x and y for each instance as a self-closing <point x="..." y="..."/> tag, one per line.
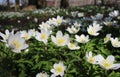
<point x="107" y="38"/>
<point x="114" y="13"/>
<point x="45" y="26"/>
<point x="43" y="36"/>
<point x="92" y="59"/>
<point x="36" y="20"/>
<point x="60" y="40"/>
<point x="31" y="32"/>
<point x="73" y="29"/>
<point x="58" y="20"/>
<point x="80" y="14"/>
<point x="6" y="35"/>
<point x="58" y="69"/>
<point x="73" y="46"/>
<point x="108" y="63"/>
<point x="42" y="75"/>
<point x="25" y="34"/>
<point x="76" y="24"/>
<point x="93" y="30"/>
<point x="16" y="42"/>
<point x="115" y="42"/>
<point x="82" y="38"/>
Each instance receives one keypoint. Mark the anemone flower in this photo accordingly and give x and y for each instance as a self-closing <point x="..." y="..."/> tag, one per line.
<point x="58" y="69"/>
<point x="108" y="63"/>
<point x="42" y="36"/>
<point x="115" y="42"/>
<point x="93" y="30"/>
<point x="16" y="42"/>
<point x="42" y="75"/>
<point x="82" y="38"/>
<point x="60" y="39"/>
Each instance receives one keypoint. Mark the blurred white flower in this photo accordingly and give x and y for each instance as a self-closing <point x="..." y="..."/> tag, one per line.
<point x="60" y="39"/>
<point x="42" y="36"/>
<point x="58" y="69"/>
<point x="108" y="63"/>
<point x="80" y="14"/>
<point x="42" y="75"/>
<point x="107" y="38"/>
<point x="76" y="24"/>
<point x="16" y="42"/>
<point x="26" y="35"/>
<point x="92" y="59"/>
<point x="73" y="29"/>
<point x="82" y="38"/>
<point x="6" y="35"/>
<point x="114" y="13"/>
<point x="31" y="32"/>
<point x="73" y="46"/>
<point x="58" y="20"/>
<point x="45" y="26"/>
<point x="28" y="17"/>
<point x="93" y="30"/>
<point x="36" y="20"/>
<point x="19" y="21"/>
<point x="115" y="42"/>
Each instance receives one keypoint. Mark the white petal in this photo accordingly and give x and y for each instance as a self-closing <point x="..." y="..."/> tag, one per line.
<point x="110" y="58"/>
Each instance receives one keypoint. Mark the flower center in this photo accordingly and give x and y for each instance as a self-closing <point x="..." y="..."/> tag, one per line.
<point x="106" y="64"/>
<point x="16" y="44"/>
<point x="43" y="36"/>
<point x="59" y="69"/>
<point x="60" y="41"/>
<point x="91" y="60"/>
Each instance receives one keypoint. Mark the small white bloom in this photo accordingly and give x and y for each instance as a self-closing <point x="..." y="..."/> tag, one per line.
<point x="45" y="26"/>
<point x="93" y="30"/>
<point x="60" y="39"/>
<point x="108" y="63"/>
<point x="31" y="32"/>
<point x="114" y="13"/>
<point x="42" y="75"/>
<point x="107" y="38"/>
<point x="76" y="24"/>
<point x="73" y="29"/>
<point x="80" y="14"/>
<point x="58" y="20"/>
<point x="92" y="59"/>
<point x="16" y="42"/>
<point x="18" y="21"/>
<point x="25" y="34"/>
<point x="6" y="35"/>
<point x="82" y="38"/>
<point x="58" y="69"/>
<point x="43" y="36"/>
<point x="36" y="20"/>
<point x="73" y="46"/>
<point x="115" y="42"/>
